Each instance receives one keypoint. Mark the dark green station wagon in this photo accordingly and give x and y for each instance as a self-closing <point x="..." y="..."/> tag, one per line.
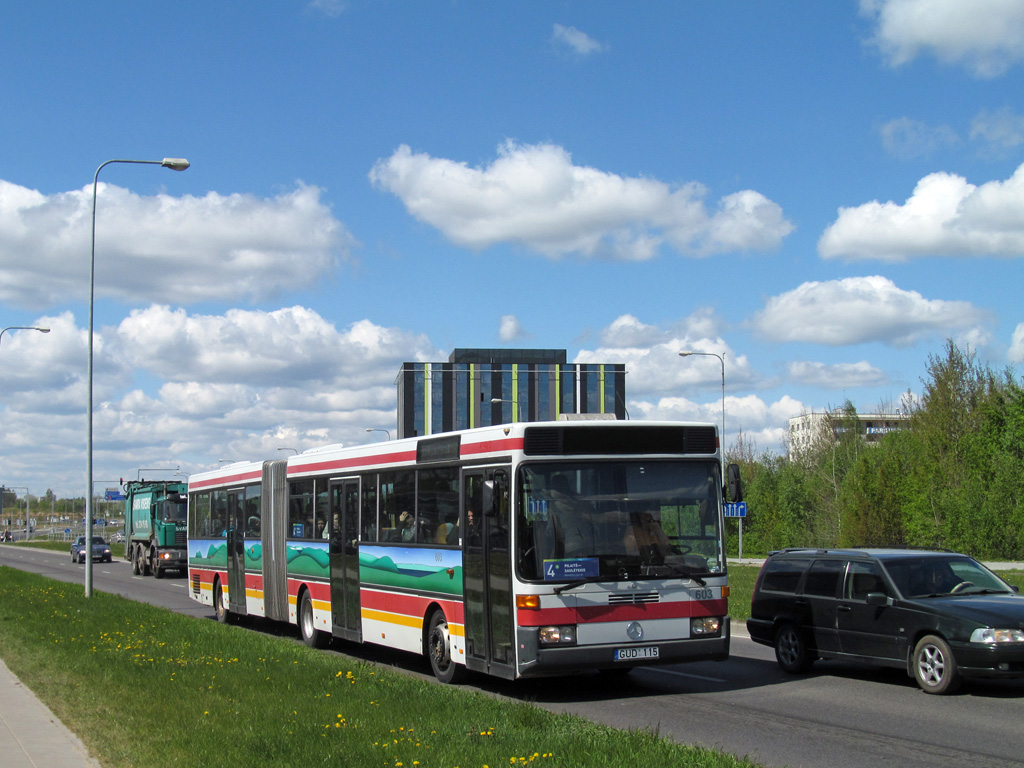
<point x="941" y="616"/>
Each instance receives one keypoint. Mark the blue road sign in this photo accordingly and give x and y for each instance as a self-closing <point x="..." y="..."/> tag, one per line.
<point x="735" y="509"/>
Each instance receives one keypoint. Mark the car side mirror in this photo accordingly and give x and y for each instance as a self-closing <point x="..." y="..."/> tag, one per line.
<point x="877" y="598"/>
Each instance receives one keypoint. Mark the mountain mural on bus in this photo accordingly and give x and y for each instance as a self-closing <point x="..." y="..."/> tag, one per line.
<point x="415" y="568"/>
<point x="308" y="559"/>
<point x="208" y="553"/>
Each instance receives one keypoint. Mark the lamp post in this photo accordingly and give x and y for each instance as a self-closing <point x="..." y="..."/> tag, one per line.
<point x="175" y="164"/>
<point x="721" y="359"/>
<point x="376" y="429"/>
<point x="294" y="450"/>
<point x="21" y="328"/>
<point x="519" y="410"/>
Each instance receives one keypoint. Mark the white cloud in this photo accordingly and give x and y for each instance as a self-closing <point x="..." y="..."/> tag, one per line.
<point x="906" y="138"/>
<point x="1016" y="352"/>
<point x="985" y="36"/>
<point x="1001" y="129"/>
<point x="858" y="310"/>
<point x="651" y="356"/>
<point x="510" y="329"/>
<point x="766" y="424"/>
<point x="534" y="196"/>
<point x="174" y="389"/>
<point x="945" y="216"/>
<point x="836" y="376"/>
<point x="580" y="43"/>
<point x="258" y="247"/>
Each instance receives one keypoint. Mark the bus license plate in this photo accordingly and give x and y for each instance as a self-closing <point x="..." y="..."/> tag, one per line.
<point x="632" y="654"/>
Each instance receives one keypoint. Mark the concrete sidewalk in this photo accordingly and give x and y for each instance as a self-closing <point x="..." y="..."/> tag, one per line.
<point x="30" y="735"/>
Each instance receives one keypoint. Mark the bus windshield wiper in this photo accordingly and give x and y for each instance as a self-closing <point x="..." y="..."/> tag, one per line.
<point x="689" y="572"/>
<point x="580" y="582"/>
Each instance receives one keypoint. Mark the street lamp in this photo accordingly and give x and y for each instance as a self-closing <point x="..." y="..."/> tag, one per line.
<point x="21" y="328"/>
<point x="519" y="410"/>
<point x="375" y="429"/>
<point x="721" y="359"/>
<point x="175" y="164"/>
<point x="296" y="450"/>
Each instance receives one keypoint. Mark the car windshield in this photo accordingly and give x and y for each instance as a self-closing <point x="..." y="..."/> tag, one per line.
<point x="98" y="540"/>
<point x="618" y="519"/>
<point x="932" y="575"/>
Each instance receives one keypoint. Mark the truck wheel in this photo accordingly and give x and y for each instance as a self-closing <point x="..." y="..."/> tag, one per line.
<point x="136" y="566"/>
<point x="144" y="560"/>
<point x="311" y="636"/>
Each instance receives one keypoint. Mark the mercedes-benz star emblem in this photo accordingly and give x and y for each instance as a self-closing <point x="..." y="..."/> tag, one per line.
<point x="635" y="631"/>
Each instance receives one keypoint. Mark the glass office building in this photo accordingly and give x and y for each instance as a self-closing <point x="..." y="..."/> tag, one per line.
<point x="479" y="387"/>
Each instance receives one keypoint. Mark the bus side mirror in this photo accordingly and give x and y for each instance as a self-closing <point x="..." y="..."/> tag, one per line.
<point x="735" y="482"/>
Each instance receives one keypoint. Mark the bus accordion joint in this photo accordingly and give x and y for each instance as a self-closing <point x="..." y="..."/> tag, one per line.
<point x="528" y="602"/>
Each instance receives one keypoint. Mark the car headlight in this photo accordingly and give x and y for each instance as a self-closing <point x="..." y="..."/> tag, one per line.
<point x="565" y="635"/>
<point x="704" y="626"/>
<point x="987" y="635"/>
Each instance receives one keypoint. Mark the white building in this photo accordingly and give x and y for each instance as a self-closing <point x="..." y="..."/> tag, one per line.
<point x="808" y="428"/>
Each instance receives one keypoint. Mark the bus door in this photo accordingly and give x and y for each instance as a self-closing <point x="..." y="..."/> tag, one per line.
<point x="236" y="551"/>
<point x="487" y="572"/>
<point x="344" y="557"/>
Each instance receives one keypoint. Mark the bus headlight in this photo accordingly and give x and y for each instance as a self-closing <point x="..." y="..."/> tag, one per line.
<point x="565" y="635"/>
<point x="705" y="626"/>
<point x="986" y="635"/>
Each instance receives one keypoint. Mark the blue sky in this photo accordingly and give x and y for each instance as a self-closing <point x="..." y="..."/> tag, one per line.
<point x="820" y="192"/>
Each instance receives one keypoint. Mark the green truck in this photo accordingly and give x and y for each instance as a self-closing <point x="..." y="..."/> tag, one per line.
<point x="155" y="531"/>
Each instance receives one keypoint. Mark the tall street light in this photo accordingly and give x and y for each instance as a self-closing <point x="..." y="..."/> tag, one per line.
<point x="721" y="359"/>
<point x="21" y="328"/>
<point x="175" y="164"/>
<point x="375" y="429"/>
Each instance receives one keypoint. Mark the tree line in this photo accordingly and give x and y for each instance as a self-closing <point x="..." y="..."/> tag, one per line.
<point x="952" y="479"/>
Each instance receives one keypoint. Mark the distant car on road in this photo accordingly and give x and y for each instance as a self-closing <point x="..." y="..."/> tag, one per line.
<point x="941" y="616"/>
<point x="100" y="550"/>
<point x="118" y="537"/>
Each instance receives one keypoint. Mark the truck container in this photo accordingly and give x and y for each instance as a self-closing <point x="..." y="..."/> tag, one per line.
<point x="155" y="519"/>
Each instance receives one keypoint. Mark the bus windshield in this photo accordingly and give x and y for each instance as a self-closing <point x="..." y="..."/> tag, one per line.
<point x="581" y="521"/>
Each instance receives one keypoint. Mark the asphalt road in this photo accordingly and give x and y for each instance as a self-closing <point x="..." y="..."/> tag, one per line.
<point x="839" y="715"/>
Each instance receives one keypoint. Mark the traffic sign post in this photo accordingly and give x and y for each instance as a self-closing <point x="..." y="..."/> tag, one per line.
<point x="736" y="509"/>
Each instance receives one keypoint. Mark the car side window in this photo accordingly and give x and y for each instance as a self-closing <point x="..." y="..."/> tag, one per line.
<point x="862" y="579"/>
<point x="783" y="575"/>
<point x="823" y="578"/>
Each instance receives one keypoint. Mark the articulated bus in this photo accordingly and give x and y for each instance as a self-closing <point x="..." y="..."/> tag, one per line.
<point x="520" y="550"/>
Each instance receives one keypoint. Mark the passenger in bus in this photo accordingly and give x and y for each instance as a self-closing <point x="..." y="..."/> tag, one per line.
<point x="445" y="531"/>
<point x="408" y="523"/>
<point x="571" y="520"/>
<point x="321" y="529"/>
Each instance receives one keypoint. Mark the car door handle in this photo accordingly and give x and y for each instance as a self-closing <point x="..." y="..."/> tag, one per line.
<point x="845" y="608"/>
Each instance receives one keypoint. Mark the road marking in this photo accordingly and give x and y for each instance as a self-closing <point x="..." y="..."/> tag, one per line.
<point x="685" y="674"/>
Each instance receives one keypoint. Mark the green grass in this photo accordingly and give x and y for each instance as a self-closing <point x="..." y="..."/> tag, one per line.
<point x="741" y="589"/>
<point x="145" y="686"/>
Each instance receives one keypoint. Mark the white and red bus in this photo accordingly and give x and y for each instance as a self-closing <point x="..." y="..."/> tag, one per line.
<point x="519" y="550"/>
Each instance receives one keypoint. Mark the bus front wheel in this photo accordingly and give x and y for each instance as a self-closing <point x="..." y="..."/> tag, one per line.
<point x="439" y="650"/>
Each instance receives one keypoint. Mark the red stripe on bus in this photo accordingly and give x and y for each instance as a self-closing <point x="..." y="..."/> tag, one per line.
<point x="492" y="446"/>
<point x="354" y="463"/>
<point x="226" y="480"/>
<point x="592" y="614"/>
<point x="318" y="590"/>
<point x="409" y="605"/>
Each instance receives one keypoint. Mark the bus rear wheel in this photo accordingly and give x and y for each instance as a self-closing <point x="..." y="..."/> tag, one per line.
<point x="439" y="650"/>
<point x="311" y="636"/>
<point x="219" y="608"/>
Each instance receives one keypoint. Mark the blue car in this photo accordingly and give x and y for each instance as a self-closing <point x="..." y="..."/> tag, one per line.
<point x="100" y="550"/>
